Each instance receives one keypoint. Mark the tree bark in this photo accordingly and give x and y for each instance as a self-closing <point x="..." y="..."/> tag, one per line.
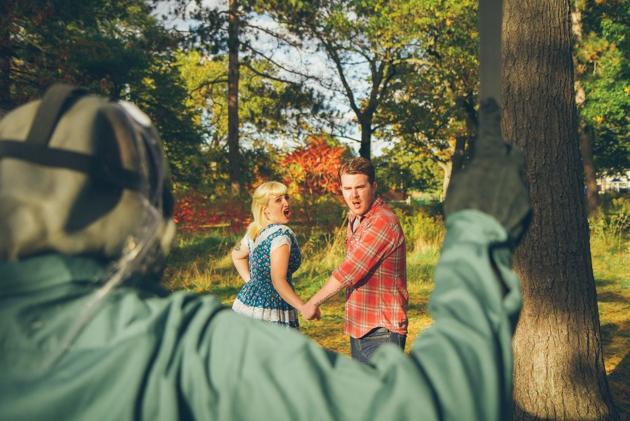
<point x="447" y="167"/>
<point x="457" y="159"/>
<point x="558" y="362"/>
<point x="366" y="138"/>
<point x="234" y="156"/>
<point x="590" y="177"/>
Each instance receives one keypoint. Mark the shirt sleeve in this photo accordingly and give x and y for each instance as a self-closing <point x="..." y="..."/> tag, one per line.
<point x="280" y="240"/>
<point x="245" y="243"/>
<point x="377" y="240"/>
<point x="460" y="368"/>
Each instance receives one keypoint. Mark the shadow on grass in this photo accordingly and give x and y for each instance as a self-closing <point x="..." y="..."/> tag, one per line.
<point x="609" y="331"/>
<point x="418" y="307"/>
<point x="610" y="297"/>
<point x="620" y="388"/>
<point x="605" y="282"/>
<point x="224" y="292"/>
<point x="211" y="245"/>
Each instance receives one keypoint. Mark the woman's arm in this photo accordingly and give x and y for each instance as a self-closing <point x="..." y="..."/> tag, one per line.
<point x="279" y="267"/>
<point x="240" y="255"/>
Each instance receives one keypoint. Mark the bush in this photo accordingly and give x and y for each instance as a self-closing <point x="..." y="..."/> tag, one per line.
<point x="422" y="227"/>
<point x="198" y="212"/>
<point x="612" y="225"/>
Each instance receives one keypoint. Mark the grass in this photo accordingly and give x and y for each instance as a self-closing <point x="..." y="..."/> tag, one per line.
<point x="201" y="263"/>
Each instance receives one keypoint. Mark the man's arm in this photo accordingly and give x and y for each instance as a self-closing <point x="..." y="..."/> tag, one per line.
<point x="375" y="243"/>
<point x="330" y="288"/>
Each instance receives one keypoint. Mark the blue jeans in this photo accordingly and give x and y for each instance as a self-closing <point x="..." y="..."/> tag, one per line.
<point x="363" y="348"/>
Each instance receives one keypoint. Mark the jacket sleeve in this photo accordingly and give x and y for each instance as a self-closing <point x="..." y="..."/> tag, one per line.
<point x="459" y="368"/>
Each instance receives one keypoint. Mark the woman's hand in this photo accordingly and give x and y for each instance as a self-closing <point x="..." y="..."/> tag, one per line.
<point x="310" y="311"/>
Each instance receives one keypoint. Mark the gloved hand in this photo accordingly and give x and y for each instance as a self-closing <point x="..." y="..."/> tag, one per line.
<point x="493" y="182"/>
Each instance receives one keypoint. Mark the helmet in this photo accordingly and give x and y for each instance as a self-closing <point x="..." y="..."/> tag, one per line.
<point x="81" y="175"/>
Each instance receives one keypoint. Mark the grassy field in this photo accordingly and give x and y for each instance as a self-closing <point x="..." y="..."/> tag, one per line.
<point x="201" y="263"/>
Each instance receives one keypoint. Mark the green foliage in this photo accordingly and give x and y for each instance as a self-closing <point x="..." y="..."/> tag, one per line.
<point x="434" y="102"/>
<point x="99" y="44"/>
<point x="603" y="70"/>
<point x="370" y="45"/>
<point x="423" y="230"/>
<point x="266" y="107"/>
<point x="402" y="171"/>
<point x="612" y="226"/>
<point x="113" y="48"/>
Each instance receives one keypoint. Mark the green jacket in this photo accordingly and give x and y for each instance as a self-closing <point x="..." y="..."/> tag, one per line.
<point x="182" y="356"/>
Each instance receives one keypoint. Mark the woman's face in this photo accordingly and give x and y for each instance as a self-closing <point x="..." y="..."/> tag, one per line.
<point x="277" y="210"/>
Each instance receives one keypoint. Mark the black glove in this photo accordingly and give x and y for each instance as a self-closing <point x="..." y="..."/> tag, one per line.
<point x="493" y="182"/>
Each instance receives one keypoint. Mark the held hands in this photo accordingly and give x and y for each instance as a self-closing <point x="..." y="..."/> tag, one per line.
<point x="310" y="311"/>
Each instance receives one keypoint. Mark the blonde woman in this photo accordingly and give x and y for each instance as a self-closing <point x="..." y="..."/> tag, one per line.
<point x="266" y="258"/>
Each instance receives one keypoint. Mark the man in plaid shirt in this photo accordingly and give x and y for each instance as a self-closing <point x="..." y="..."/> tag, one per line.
<point x="374" y="270"/>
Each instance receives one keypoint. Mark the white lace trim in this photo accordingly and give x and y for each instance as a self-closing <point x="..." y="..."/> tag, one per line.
<point x="280" y="241"/>
<point x="267" y="314"/>
<point x="266" y="233"/>
<point x="245" y="242"/>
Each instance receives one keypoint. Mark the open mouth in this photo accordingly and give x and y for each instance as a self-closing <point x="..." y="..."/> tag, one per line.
<point x="286" y="212"/>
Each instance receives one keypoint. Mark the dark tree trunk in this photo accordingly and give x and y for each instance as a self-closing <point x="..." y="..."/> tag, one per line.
<point x="457" y="159"/>
<point x="558" y="367"/>
<point x="6" y="13"/>
<point x="234" y="156"/>
<point x="585" y="136"/>
<point x="366" y="138"/>
<point x="590" y="177"/>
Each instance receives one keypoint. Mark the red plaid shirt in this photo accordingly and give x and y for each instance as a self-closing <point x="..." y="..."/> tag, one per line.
<point x="374" y="273"/>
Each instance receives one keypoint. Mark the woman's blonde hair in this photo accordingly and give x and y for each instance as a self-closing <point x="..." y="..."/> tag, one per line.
<point x="260" y="200"/>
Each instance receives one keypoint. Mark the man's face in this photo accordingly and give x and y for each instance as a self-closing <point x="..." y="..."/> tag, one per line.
<point x="358" y="192"/>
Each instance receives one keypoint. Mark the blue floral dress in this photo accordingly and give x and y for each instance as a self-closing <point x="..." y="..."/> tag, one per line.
<point x="258" y="298"/>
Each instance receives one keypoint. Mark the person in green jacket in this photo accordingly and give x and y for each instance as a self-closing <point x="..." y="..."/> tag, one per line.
<point x="87" y="334"/>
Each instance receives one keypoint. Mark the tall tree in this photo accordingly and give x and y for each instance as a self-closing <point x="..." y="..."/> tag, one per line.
<point x="433" y="110"/>
<point x="559" y="368"/>
<point x="234" y="156"/>
<point x="363" y="43"/>
<point x="113" y="48"/>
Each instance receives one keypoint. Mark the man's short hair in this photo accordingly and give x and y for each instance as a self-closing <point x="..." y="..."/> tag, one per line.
<point x="358" y="165"/>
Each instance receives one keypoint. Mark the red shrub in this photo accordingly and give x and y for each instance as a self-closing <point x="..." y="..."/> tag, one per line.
<point x="194" y="212"/>
<point x="312" y="170"/>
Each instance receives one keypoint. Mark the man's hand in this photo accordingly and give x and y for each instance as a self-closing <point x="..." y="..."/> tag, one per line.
<point x="310" y="311"/>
